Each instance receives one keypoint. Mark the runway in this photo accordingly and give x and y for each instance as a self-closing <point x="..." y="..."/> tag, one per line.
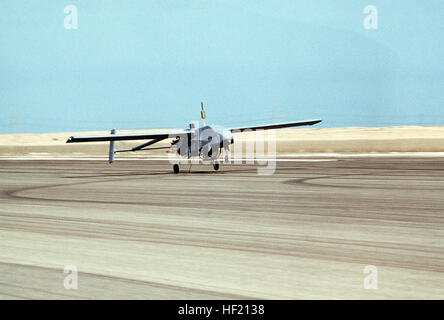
<point x="134" y="230"/>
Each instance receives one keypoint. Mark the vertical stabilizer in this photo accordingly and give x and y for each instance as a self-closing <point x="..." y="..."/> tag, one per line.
<point x="112" y="148"/>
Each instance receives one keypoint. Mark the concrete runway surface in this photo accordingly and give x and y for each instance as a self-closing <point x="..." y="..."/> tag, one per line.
<point x="135" y="230"/>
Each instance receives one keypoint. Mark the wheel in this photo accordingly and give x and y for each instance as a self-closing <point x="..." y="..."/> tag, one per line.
<point x="176" y="168"/>
<point x="216" y="166"/>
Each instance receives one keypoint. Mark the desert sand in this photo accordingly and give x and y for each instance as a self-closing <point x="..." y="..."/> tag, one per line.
<point x="288" y="141"/>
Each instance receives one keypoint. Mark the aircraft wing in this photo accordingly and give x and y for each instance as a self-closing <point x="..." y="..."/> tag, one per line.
<point x="119" y="137"/>
<point x="278" y="125"/>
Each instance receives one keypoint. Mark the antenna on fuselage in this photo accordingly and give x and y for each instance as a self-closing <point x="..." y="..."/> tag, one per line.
<point x="202" y="113"/>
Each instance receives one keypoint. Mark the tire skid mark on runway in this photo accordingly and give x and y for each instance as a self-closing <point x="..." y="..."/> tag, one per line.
<point x="397" y="218"/>
<point x="136" y="281"/>
<point x="39" y="290"/>
<point x="321" y="250"/>
<point x="353" y="256"/>
<point x="307" y="181"/>
<point x="172" y="230"/>
<point x="15" y="194"/>
<point x="16" y="297"/>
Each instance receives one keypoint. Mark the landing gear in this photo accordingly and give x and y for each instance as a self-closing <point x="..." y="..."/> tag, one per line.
<point x="216" y="166"/>
<point x="226" y="152"/>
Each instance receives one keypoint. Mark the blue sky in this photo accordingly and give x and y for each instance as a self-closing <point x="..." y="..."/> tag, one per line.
<point x="148" y="64"/>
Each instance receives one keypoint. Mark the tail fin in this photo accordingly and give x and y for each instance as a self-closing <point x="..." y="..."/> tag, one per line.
<point x="112" y="148"/>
